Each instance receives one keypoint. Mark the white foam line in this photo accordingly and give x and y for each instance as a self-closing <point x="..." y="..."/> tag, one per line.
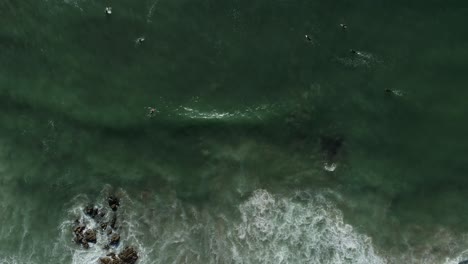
<point x="151" y="11"/>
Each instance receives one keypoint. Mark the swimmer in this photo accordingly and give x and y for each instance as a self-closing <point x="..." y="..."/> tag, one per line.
<point x="108" y="10"/>
<point x="308" y="38"/>
<point x="354" y="51"/>
<point x="151" y="111"/>
<point x="139" y="40"/>
<point x="344" y="26"/>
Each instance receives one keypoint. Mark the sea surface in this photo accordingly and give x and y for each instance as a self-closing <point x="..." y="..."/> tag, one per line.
<point x="209" y="120"/>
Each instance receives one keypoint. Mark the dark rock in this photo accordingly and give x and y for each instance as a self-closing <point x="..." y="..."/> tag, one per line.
<point x="108" y="260"/>
<point x="91" y="211"/>
<point x="113" y="221"/>
<point x="105" y="260"/>
<point x="109" y="232"/>
<point x="79" y="238"/>
<point x="78" y="232"/>
<point x="128" y="255"/>
<point x="115" y="239"/>
<point x="106" y="247"/>
<point x="86" y="245"/>
<point x="463" y="262"/>
<point x="102" y="213"/>
<point x="90" y="236"/>
<point x="111" y="258"/>
<point x="79" y="228"/>
<point x="114" y="202"/>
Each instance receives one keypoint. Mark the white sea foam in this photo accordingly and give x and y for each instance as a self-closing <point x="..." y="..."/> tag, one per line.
<point x="265" y="229"/>
<point x="255" y="112"/>
<point x="301" y="227"/>
<point x="282" y="230"/>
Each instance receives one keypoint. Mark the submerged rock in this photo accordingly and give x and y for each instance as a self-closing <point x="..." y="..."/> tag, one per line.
<point x="114" y="202"/>
<point x="113" y="221"/>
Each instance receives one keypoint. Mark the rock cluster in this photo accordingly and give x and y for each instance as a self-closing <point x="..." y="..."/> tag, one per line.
<point x="84" y="235"/>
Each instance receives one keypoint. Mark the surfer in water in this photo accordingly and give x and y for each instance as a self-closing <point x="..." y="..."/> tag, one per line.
<point x="139" y="41"/>
<point x="151" y="111"/>
<point x="108" y="11"/>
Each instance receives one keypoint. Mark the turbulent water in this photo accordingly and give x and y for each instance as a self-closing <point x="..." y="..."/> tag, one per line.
<point x="229" y="136"/>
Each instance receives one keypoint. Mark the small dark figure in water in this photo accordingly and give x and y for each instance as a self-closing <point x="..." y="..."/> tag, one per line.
<point x="344" y="26"/>
<point x="308" y="38"/>
<point x="388" y="90"/>
<point x="353" y="51"/>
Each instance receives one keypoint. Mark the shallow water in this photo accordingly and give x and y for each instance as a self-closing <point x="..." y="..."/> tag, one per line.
<point x="229" y="168"/>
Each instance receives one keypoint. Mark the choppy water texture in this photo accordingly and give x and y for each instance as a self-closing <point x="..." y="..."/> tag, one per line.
<point x="212" y="129"/>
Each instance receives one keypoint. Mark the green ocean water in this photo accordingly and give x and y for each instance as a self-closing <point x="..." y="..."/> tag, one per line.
<point x="230" y="167"/>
